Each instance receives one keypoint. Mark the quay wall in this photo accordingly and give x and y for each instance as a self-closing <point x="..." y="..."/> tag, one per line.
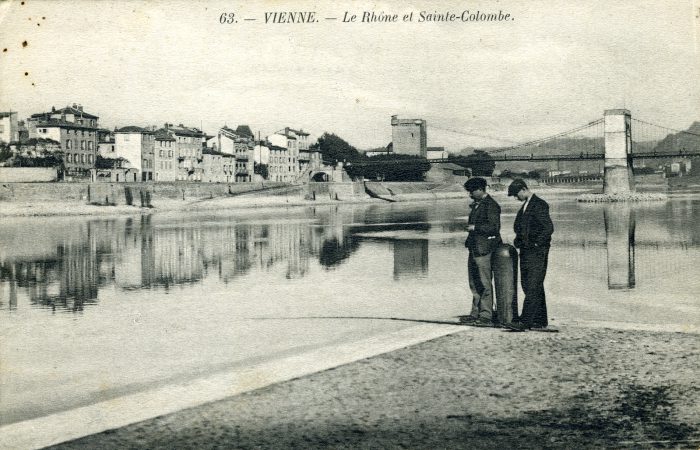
<point x="125" y="193"/>
<point x="335" y="191"/>
<point x="27" y="174"/>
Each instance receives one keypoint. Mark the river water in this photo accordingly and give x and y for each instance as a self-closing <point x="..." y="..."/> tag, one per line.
<point x="93" y="308"/>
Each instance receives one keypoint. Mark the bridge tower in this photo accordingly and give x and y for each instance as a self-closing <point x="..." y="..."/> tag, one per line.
<point x="618" y="152"/>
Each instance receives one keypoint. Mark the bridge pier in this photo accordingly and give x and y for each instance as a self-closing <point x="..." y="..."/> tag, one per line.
<point x="618" y="152"/>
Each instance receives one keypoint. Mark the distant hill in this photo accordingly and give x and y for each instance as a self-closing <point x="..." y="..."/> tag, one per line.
<point x="568" y="146"/>
<point x="681" y="141"/>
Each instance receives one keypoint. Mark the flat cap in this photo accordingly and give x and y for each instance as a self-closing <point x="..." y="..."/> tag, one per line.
<point x="516" y="186"/>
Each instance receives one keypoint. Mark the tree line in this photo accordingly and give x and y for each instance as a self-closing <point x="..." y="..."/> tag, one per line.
<point x="393" y="167"/>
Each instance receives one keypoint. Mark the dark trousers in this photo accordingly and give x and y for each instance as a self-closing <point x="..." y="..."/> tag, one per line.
<point x="533" y="268"/>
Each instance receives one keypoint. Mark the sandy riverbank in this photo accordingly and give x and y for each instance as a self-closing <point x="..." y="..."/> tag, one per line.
<point x="478" y="388"/>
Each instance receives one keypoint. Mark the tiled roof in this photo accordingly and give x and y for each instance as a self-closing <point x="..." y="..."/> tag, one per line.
<point x="57" y="123"/>
<point x="184" y="131"/>
<point x="299" y="132"/>
<point x="163" y="135"/>
<point x="76" y="111"/>
<point x="67" y="110"/>
<point x="132" y="129"/>
<point x="287" y="132"/>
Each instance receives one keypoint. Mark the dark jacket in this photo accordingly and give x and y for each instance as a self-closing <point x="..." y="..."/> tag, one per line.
<point x="486" y="218"/>
<point x="533" y="228"/>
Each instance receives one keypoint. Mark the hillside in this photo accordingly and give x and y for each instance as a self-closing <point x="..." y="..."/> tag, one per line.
<point x="572" y="146"/>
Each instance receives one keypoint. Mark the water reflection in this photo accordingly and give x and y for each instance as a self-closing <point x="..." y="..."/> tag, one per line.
<point x="64" y="265"/>
<point x="410" y="258"/>
<point x="66" y="268"/>
<point x="619" y="235"/>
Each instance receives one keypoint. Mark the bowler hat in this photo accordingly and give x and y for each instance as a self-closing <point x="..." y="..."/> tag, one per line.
<point x="516" y="186"/>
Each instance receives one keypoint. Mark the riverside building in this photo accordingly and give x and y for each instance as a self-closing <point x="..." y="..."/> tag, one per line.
<point x="9" y="128"/>
<point x="409" y="136"/>
<point x="137" y="145"/>
<point x="75" y="130"/>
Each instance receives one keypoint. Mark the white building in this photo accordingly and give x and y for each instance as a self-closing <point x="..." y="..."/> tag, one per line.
<point x="9" y="129"/>
<point x="136" y="145"/>
<point x="434" y="153"/>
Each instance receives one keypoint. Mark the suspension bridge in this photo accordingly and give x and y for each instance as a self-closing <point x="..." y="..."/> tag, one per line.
<point x="616" y="138"/>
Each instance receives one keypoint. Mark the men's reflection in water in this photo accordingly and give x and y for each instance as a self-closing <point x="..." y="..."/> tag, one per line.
<point x="410" y="257"/>
<point x="619" y="234"/>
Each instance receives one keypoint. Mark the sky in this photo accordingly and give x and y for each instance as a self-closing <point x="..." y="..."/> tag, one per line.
<point x="555" y="66"/>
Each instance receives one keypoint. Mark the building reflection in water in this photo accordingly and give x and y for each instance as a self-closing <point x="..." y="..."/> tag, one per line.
<point x="619" y="234"/>
<point x="410" y="257"/>
<point x="65" y="268"/>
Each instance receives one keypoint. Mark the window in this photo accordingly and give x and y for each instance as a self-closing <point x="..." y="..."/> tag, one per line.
<point x="160" y="153"/>
<point x="90" y="159"/>
<point x="69" y="144"/>
<point x="68" y="157"/>
<point x="82" y="145"/>
<point x="82" y="158"/>
<point x="91" y="145"/>
<point x="76" y="158"/>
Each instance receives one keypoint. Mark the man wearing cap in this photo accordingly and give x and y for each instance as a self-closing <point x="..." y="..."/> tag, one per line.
<point x="484" y="226"/>
<point x="533" y="234"/>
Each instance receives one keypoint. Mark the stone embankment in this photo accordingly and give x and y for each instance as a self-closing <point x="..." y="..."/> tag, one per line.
<point x="53" y="199"/>
<point x="627" y="197"/>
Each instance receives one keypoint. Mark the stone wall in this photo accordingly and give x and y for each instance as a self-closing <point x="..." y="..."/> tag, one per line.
<point x="123" y="193"/>
<point x="27" y="174"/>
<point x="335" y="191"/>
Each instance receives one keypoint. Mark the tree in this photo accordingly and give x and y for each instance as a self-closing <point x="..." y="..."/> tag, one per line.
<point x="335" y="149"/>
<point x="480" y="163"/>
<point x="261" y="169"/>
<point x="391" y="168"/>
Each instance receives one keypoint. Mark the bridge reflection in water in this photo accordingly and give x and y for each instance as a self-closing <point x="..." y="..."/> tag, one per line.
<point x="619" y="236"/>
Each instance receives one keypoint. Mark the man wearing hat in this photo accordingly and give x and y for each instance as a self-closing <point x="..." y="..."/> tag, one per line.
<point x="484" y="226"/>
<point x="533" y="234"/>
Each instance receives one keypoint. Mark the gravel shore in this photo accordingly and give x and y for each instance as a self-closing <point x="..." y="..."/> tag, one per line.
<point x="477" y="388"/>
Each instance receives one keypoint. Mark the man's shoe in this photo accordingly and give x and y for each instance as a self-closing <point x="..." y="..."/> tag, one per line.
<point x="544" y="329"/>
<point x="516" y="326"/>
<point x="482" y="322"/>
<point x="468" y="319"/>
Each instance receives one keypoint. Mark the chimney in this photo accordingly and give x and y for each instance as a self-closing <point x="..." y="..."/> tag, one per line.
<point x="75" y="106"/>
<point x="80" y="108"/>
<point x="53" y="109"/>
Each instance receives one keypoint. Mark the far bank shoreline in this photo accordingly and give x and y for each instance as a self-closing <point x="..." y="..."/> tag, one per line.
<point x="49" y="199"/>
